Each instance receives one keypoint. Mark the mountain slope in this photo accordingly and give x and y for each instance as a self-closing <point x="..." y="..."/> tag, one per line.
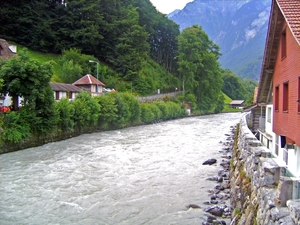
<point x="238" y="27"/>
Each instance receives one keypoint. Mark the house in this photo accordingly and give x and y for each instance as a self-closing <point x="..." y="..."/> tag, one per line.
<point x="91" y="84"/>
<point x="237" y="104"/>
<point x="278" y="97"/>
<point x="61" y="90"/>
<point x="6" y="50"/>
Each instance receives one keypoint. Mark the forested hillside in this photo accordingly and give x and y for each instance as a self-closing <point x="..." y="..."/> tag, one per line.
<point x="123" y="34"/>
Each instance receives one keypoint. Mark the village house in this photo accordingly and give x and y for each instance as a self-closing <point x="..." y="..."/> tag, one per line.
<point x="6" y="52"/>
<point x="276" y="117"/>
<point x="61" y="90"/>
<point x="87" y="83"/>
<point x="237" y="104"/>
<point x="90" y="84"/>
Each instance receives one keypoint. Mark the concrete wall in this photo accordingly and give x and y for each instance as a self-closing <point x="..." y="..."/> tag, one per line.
<point x="260" y="193"/>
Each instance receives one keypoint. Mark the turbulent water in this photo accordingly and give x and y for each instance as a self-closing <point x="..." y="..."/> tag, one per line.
<point x="138" y="175"/>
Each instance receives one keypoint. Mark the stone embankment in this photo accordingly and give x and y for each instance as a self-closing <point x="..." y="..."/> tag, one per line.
<point x="260" y="194"/>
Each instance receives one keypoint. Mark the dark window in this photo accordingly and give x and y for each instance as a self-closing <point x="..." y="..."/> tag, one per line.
<point x="57" y="95"/>
<point x="283" y="44"/>
<point x="70" y="95"/>
<point x="276" y="106"/>
<point x="285" y="97"/>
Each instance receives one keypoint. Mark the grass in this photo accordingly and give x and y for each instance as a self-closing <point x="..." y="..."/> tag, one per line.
<point x="44" y="57"/>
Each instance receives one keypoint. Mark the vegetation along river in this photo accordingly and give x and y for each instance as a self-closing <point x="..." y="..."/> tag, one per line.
<point x="138" y="175"/>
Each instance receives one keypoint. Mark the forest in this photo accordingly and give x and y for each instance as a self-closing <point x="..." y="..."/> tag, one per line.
<point x="137" y="47"/>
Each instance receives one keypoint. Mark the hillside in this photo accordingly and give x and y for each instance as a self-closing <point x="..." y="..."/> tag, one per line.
<point x="238" y="27"/>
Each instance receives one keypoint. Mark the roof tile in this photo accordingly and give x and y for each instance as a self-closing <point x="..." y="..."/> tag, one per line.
<point x="291" y="11"/>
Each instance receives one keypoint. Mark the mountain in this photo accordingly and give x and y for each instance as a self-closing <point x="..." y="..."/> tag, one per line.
<point x="239" y="27"/>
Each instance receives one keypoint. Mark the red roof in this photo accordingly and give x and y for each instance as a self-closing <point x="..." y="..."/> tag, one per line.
<point x="88" y="79"/>
<point x="291" y="12"/>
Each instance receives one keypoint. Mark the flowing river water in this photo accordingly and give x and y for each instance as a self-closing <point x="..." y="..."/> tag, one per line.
<point x="138" y="175"/>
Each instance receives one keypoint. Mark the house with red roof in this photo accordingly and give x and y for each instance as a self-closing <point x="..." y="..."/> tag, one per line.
<point x="91" y="84"/>
<point x="278" y="97"/>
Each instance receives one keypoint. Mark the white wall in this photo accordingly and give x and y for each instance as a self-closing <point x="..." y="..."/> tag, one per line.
<point x="294" y="161"/>
<point x="8" y="101"/>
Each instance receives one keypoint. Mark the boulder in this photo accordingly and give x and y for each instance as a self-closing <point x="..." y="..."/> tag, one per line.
<point x="209" y="162"/>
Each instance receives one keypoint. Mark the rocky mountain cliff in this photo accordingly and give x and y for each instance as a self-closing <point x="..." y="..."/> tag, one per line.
<point x="239" y="27"/>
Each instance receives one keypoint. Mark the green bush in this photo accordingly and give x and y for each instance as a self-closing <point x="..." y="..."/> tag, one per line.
<point x="15" y="127"/>
<point x="109" y="111"/>
<point x="65" y="112"/>
<point x="86" y="111"/>
<point x="156" y="111"/>
<point x="163" y="108"/>
<point x="147" y="115"/>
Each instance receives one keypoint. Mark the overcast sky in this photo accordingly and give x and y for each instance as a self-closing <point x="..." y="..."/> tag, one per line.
<point x="168" y="6"/>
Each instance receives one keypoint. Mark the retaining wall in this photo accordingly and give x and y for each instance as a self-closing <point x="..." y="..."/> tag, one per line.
<point x="260" y="194"/>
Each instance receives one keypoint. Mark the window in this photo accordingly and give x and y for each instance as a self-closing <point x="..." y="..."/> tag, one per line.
<point x="298" y="95"/>
<point x="269" y="113"/>
<point x="283" y="44"/>
<point x="276" y="105"/>
<point x="57" y="95"/>
<point x="69" y="94"/>
<point x="285" y="98"/>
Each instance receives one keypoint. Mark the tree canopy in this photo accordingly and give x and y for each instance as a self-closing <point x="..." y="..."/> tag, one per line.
<point x="199" y="68"/>
<point x="29" y="79"/>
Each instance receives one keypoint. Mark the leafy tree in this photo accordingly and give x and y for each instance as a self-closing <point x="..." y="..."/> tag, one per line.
<point x="199" y="68"/>
<point x="220" y="104"/>
<point x="27" y="78"/>
<point x="233" y="86"/>
<point x="71" y="72"/>
<point x="75" y="64"/>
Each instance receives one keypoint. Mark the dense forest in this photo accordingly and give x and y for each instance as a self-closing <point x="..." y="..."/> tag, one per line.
<point x="121" y="33"/>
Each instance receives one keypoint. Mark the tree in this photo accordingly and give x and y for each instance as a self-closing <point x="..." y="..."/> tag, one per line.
<point x="233" y="86"/>
<point x="199" y="68"/>
<point x="29" y="79"/>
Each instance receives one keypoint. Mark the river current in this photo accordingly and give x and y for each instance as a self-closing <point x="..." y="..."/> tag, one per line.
<point x="138" y="175"/>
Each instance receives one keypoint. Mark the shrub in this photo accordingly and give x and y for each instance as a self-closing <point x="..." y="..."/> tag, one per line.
<point x="147" y="115"/>
<point x="65" y="114"/>
<point x="15" y="127"/>
<point x="86" y="110"/>
<point x="108" y="110"/>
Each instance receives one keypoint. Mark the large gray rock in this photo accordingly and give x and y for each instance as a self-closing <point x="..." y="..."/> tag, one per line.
<point x="294" y="207"/>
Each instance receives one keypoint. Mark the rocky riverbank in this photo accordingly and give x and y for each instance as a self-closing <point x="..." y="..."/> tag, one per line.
<point x="219" y="209"/>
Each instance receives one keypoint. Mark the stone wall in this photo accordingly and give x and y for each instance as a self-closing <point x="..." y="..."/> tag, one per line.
<point x="259" y="193"/>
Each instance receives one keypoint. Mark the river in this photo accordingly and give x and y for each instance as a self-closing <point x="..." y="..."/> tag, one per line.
<point x="138" y="175"/>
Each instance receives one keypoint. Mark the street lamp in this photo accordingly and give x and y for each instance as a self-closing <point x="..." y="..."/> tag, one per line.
<point x="97" y="65"/>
